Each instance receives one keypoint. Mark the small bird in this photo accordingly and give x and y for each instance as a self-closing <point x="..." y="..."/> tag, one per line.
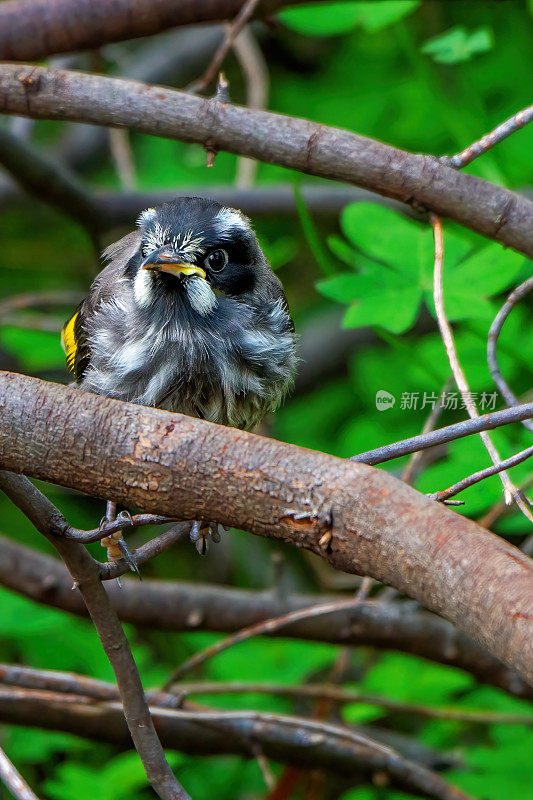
<point x="186" y="316"/>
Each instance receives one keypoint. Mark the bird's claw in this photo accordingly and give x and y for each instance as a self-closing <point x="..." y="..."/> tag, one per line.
<point x="128" y="557"/>
<point x="125" y="516"/>
<point x="200" y="533"/>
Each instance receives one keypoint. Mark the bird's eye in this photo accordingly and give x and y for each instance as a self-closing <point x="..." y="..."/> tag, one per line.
<point x="216" y="260"/>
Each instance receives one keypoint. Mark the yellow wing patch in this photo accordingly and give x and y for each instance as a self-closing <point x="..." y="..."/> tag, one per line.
<point x="69" y="343"/>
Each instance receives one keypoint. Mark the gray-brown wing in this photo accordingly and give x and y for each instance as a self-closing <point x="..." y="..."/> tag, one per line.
<point x="107" y="284"/>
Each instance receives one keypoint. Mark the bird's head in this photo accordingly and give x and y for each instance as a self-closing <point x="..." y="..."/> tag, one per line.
<point x="197" y="248"/>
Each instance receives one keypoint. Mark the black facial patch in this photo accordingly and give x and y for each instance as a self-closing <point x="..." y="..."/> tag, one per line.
<point x="197" y="219"/>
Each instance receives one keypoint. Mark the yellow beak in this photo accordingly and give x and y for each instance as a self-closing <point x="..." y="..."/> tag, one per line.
<point x="175" y="268"/>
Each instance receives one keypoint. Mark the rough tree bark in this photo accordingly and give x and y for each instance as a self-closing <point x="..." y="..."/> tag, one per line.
<point x="176" y="465"/>
<point x="305" y="146"/>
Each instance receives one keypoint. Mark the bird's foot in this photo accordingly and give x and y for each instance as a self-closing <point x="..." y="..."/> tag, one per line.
<point x="114" y="543"/>
<point x="201" y="532"/>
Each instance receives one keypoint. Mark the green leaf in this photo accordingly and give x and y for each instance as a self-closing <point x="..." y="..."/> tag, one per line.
<point x="388" y="237"/>
<point x="338" y="18"/>
<point x="395" y="310"/>
<point x="456" y="44"/>
<point x="343" y="288"/>
<point x="487" y="272"/>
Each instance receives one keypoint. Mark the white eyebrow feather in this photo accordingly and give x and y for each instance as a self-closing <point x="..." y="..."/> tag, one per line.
<point x="230" y="219"/>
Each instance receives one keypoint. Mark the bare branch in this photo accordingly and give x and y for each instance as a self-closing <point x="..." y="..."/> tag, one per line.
<point x="48" y="181"/>
<point x="13" y="780"/>
<point x="122" y="154"/>
<point x="488" y="141"/>
<point x="411" y="467"/>
<point x="33" y="29"/>
<point x="39" y="300"/>
<point x="144" y="553"/>
<point x="494" y="332"/>
<point x="177" y="606"/>
<point x="246" y="11"/>
<point x="109" y="527"/>
<point x="255" y="72"/>
<point x="450" y="433"/>
<point x="328" y="691"/>
<point x="84" y="571"/>
<point x="267" y="626"/>
<point x="198" y="730"/>
<point x="476" y="477"/>
<point x="297" y="144"/>
<point x="511" y="492"/>
<point x="380" y="527"/>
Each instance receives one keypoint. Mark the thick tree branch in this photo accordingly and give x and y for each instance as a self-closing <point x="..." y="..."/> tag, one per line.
<point x="30" y="30"/>
<point x="191" y="469"/>
<point x="85" y="573"/>
<point x="294" y="143"/>
<point x="179" y="606"/>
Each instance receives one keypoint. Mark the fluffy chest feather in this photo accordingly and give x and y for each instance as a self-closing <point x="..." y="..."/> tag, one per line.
<point x="231" y="366"/>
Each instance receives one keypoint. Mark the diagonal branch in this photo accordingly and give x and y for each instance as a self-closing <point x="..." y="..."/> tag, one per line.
<point x="13" y="780"/>
<point x="511" y="492"/>
<point x="476" y="477"/>
<point x="273" y="138"/>
<point x="260" y="628"/>
<point x="186" y="606"/>
<point x="182" y="467"/>
<point x="246" y="12"/>
<point x="467" y="427"/>
<point x="50" y="182"/>
<point x="494" y="332"/>
<point x="496" y="136"/>
<point x="84" y="571"/>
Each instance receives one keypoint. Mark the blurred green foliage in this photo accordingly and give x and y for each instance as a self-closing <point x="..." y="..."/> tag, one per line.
<point x="426" y="76"/>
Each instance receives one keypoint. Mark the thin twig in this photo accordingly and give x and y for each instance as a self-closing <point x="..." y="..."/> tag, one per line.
<point x="13" y="780"/>
<point x="223" y="49"/>
<point x="84" y="571"/>
<point x="494" y="332"/>
<point x="144" y="553"/>
<point x="476" y="477"/>
<point x="511" y="492"/>
<point x="267" y="626"/>
<point x="488" y="141"/>
<point x="122" y="155"/>
<point x="501" y="508"/>
<point x="255" y="71"/>
<point x="51" y="182"/>
<point x="450" y="433"/>
<point x="412" y="465"/>
<point x="109" y="527"/>
<point x="39" y="300"/>
<point x="328" y="691"/>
